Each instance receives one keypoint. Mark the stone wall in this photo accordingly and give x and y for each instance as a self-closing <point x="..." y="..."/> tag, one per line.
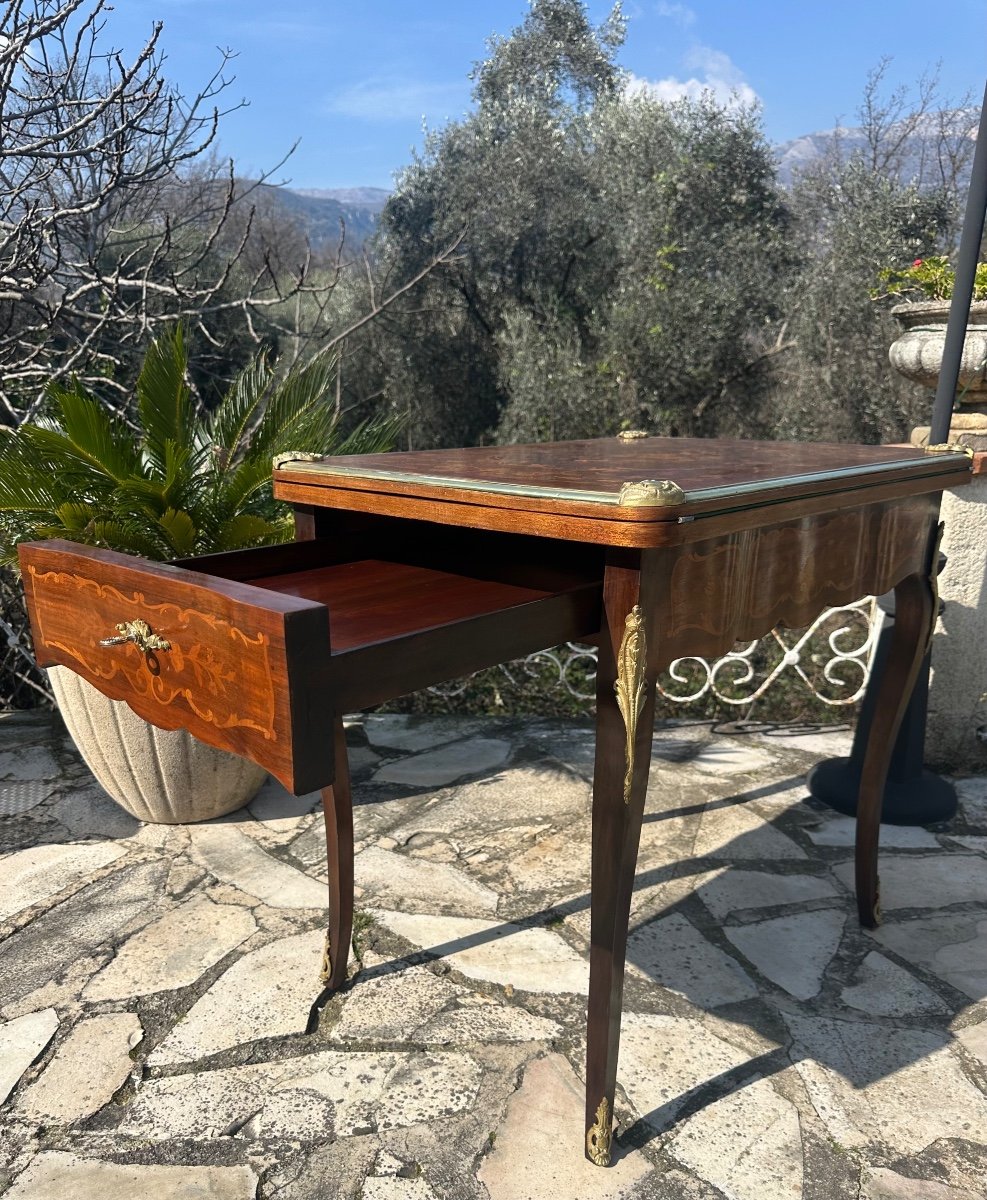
<point x="956" y="740"/>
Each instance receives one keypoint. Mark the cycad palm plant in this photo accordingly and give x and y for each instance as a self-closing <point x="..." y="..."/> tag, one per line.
<point x="180" y="482"/>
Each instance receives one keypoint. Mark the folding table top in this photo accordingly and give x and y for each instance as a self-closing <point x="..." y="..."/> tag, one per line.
<point x="639" y="479"/>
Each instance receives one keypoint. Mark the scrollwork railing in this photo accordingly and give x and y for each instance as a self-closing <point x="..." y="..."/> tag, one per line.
<point x="566" y="662"/>
<point x="844" y="663"/>
<point x="831" y="659"/>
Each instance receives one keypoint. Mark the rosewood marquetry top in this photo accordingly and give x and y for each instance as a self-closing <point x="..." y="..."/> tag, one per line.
<point x="636" y="492"/>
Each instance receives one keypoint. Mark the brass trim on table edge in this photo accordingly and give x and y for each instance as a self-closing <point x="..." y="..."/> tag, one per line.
<point x="340" y="473"/>
<point x="138" y="632"/>
<point x="599" y="1136"/>
<point x="630" y="686"/>
<point x="650" y="493"/>
<point x="533" y="491"/>
<point x="294" y="456"/>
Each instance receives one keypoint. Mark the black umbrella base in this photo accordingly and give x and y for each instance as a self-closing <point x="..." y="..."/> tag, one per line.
<point x="921" y="800"/>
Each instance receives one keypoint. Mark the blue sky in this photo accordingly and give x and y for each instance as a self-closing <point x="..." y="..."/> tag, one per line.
<point x="355" y="81"/>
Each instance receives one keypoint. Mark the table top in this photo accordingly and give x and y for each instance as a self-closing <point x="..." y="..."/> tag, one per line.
<point x="652" y="479"/>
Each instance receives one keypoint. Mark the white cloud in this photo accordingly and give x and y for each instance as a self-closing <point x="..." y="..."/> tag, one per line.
<point x="678" y="13"/>
<point x="389" y="100"/>
<point x="712" y="62"/>
<point x="715" y="75"/>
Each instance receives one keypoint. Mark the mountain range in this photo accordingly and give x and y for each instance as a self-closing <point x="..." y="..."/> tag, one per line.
<point x="319" y="211"/>
<point x="917" y="152"/>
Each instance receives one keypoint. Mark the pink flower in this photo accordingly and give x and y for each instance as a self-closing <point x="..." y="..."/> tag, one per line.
<point x="917" y="262"/>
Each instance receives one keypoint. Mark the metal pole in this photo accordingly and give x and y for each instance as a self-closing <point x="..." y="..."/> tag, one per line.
<point x="966" y="270"/>
<point x="913" y="795"/>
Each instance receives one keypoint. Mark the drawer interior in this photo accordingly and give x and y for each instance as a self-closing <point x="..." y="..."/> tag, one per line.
<point x="411" y="604"/>
<point x="373" y="601"/>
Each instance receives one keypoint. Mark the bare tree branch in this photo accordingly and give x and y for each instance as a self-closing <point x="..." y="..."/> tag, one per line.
<point x="115" y="220"/>
<point x="379" y="307"/>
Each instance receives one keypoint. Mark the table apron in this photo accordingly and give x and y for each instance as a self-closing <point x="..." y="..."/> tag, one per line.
<point x="738" y="586"/>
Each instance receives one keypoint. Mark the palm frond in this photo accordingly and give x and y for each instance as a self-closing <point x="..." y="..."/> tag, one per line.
<point x="181" y="532"/>
<point x="299" y="414"/>
<point x="129" y="535"/>
<point x="49" y="454"/>
<point x="372" y="436"/>
<point x="141" y="495"/>
<point x="58" y="454"/>
<point x="183" y="485"/>
<point x="184" y="472"/>
<point x="74" y="516"/>
<point x="247" y="529"/>
<point x="244" y="488"/>
<point x="164" y="402"/>
<point x="230" y="424"/>
<point x="107" y="445"/>
<point x="27" y="482"/>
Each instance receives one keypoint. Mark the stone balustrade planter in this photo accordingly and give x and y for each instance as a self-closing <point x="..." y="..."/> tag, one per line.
<point x="157" y="775"/>
<point x="917" y="355"/>
<point x="956" y="738"/>
<point x="956" y="731"/>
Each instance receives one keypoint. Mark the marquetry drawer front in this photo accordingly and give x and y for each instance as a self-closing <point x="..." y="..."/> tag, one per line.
<point x="239" y="667"/>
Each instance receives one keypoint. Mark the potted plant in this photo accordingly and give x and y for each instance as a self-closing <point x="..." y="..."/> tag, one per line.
<point x="173" y="482"/>
<point x="917" y="353"/>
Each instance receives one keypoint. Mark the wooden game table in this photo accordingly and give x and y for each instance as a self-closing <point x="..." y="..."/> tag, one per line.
<point x="412" y="568"/>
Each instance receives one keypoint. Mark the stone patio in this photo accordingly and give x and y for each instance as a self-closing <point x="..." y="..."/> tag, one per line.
<point x="163" y="1032"/>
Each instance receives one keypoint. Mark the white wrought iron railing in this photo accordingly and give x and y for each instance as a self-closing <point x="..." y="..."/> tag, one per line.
<point x="839" y="645"/>
<point x="831" y="658"/>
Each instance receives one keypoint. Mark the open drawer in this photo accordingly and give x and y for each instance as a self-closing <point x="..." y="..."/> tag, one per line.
<point x="254" y="651"/>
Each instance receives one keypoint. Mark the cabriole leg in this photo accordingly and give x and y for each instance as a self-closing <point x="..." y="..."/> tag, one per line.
<point x="914" y="614"/>
<point x="337" y="809"/>
<point x="625" y="716"/>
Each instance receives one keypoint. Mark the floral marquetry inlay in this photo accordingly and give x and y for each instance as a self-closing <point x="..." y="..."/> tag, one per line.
<point x="219" y="671"/>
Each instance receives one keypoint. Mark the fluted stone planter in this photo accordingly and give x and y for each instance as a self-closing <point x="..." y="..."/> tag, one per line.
<point x="158" y="775"/>
<point x="917" y="355"/>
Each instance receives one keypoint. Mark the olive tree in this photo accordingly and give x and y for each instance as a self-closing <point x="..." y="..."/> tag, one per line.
<point x="621" y="262"/>
<point x="889" y="194"/>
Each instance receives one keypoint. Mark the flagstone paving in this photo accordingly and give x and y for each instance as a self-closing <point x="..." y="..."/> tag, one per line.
<point x="163" y="1031"/>
<point x="91" y="1064"/>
